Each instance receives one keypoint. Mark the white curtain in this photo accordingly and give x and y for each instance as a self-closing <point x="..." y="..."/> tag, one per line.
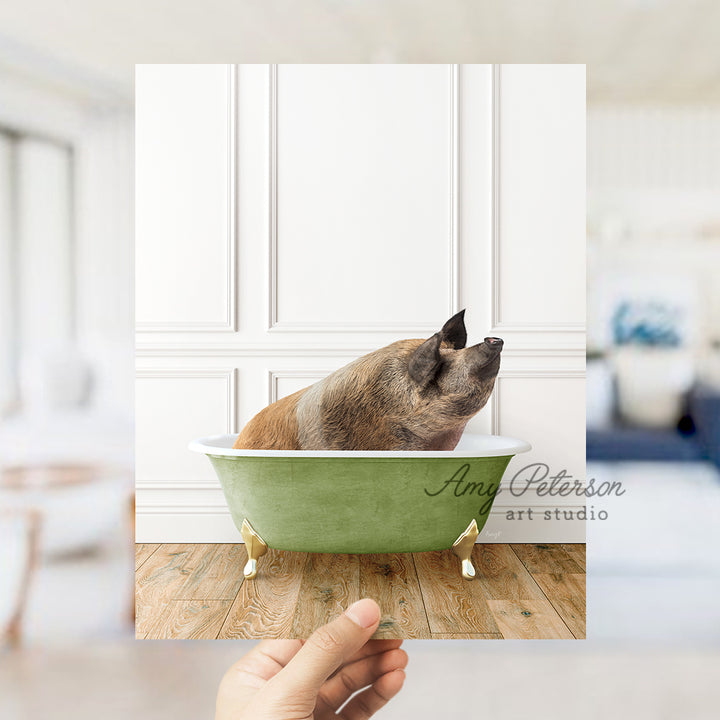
<point x="37" y="273"/>
<point x="8" y="339"/>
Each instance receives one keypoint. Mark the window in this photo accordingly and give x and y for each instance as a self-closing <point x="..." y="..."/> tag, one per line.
<point x="37" y="267"/>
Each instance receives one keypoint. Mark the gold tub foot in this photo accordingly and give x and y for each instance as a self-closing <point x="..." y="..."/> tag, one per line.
<point x="256" y="547"/>
<point x="463" y="547"/>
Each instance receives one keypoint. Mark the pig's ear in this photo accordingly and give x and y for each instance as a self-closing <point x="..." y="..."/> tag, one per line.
<point x="453" y="331"/>
<point x="425" y="361"/>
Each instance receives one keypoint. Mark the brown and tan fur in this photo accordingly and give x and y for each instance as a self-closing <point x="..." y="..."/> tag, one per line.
<point x="409" y="395"/>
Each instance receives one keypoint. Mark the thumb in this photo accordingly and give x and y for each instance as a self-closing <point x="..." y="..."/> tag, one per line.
<point x="328" y="648"/>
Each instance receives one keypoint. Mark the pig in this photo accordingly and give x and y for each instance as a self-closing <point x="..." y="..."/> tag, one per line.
<point x="410" y="395"/>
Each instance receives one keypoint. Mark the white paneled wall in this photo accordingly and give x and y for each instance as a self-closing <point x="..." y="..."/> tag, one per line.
<point x="363" y="181"/>
<point x="653" y="182"/>
<point x="540" y="264"/>
<point x="656" y="147"/>
<point x="184" y="141"/>
<point x="292" y="218"/>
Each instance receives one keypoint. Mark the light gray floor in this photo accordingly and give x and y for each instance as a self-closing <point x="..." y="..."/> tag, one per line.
<point x="512" y="679"/>
<point x="654" y="565"/>
<point x="654" y="579"/>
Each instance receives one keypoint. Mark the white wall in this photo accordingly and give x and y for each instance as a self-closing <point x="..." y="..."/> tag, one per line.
<point x="104" y="255"/>
<point x="8" y="335"/>
<point x="292" y="218"/>
<point x="45" y="262"/>
<point x="654" y="216"/>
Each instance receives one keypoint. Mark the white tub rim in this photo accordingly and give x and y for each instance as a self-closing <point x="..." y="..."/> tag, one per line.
<point x="471" y="445"/>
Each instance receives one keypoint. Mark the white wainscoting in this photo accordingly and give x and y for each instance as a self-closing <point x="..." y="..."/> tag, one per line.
<point x="301" y="216"/>
<point x="184" y="198"/>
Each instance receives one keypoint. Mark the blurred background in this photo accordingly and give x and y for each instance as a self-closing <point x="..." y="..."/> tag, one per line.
<point x="66" y="400"/>
<point x="653" y="367"/>
<point x="66" y="355"/>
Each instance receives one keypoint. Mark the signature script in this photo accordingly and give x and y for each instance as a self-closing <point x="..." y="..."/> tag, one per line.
<point x="464" y="487"/>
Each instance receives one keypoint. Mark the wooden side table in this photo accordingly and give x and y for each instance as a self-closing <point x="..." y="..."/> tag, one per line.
<point x="23" y="530"/>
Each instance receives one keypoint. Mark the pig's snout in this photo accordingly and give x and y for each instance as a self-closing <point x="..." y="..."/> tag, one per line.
<point x="486" y="359"/>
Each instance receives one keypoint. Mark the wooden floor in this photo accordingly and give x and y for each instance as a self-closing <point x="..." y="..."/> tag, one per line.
<point x="520" y="591"/>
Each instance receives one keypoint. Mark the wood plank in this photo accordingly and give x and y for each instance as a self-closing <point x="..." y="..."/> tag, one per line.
<point x="577" y="551"/>
<point x="225" y="576"/>
<point x="391" y="580"/>
<point x="264" y="606"/>
<point x="566" y="592"/>
<point x="217" y="575"/>
<point x="505" y="579"/>
<point x="189" y="620"/>
<point x="159" y="578"/>
<point x="528" y="620"/>
<point x="143" y="551"/>
<point x="502" y="575"/>
<point x="467" y="636"/>
<point x="453" y="604"/>
<point x="546" y="559"/>
<point x="197" y="572"/>
<point x="330" y="584"/>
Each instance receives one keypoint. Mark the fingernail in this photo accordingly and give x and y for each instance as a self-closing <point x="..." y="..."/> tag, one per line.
<point x="364" y="612"/>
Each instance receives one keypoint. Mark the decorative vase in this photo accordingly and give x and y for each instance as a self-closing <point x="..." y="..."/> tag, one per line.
<point x="652" y="382"/>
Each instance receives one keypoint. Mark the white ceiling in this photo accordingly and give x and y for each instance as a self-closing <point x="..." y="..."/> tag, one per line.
<point x="636" y="50"/>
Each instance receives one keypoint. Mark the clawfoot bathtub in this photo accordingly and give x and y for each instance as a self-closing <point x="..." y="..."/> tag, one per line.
<point x="361" y="501"/>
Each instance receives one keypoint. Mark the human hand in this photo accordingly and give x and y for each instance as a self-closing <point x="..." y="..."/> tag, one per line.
<point x="312" y="679"/>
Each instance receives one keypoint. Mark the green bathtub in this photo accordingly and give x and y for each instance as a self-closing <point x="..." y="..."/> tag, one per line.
<point x="361" y="501"/>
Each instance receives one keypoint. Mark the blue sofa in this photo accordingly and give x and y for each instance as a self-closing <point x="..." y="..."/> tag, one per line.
<point x="697" y="437"/>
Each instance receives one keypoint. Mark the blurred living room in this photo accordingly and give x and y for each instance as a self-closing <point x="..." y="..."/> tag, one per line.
<point x="67" y="344"/>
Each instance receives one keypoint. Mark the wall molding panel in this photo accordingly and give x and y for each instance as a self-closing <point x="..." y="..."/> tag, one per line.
<point x="572" y="333"/>
<point x="230" y="375"/>
<point x="144" y="350"/>
<point x="526" y="374"/>
<point x="228" y="322"/>
<point x="274" y="376"/>
<point x="274" y="323"/>
<point x="267" y="350"/>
